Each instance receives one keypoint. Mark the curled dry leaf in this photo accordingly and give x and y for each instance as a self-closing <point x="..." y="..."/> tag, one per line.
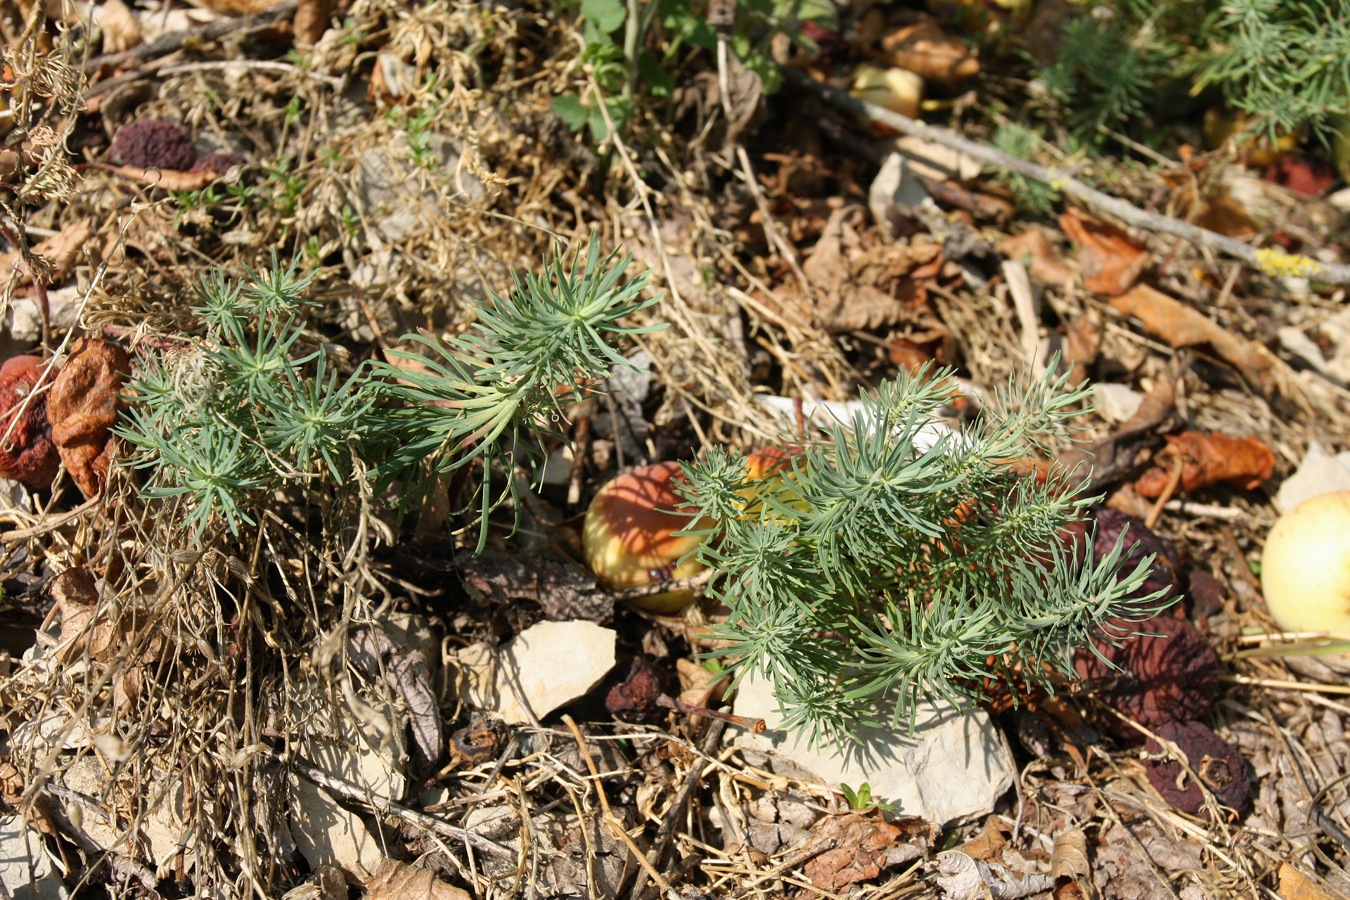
<point x="1207" y="459"/>
<point x="168" y="179"/>
<point x="27" y="453"/>
<point x="1034" y="250"/>
<point x="1069" y="865"/>
<point x="1109" y="260"/>
<point x="311" y="21"/>
<point x="56" y="254"/>
<point x="82" y="409"/>
<point x="400" y="881"/>
<point x="1181" y="326"/>
<point x="926" y="50"/>
<point x="860" y="850"/>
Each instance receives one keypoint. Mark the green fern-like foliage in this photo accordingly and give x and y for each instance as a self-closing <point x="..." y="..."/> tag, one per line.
<point x="244" y="412"/>
<point x="488" y="396"/>
<point x="1286" y="64"/>
<point x="1281" y="63"/>
<point x="893" y="564"/>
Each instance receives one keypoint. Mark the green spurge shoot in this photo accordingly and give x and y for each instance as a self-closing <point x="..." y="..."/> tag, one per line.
<point x="894" y="564"/>
<point x="254" y="405"/>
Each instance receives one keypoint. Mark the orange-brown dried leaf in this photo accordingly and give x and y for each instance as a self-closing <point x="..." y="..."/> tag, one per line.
<point x="27" y="453"/>
<point x="82" y="409"/>
<point x="860" y="845"/>
<point x="926" y="50"/>
<point x="168" y="179"/>
<point x="1035" y="251"/>
<point x="1181" y="326"/>
<point x="1109" y="260"/>
<point x="1207" y="459"/>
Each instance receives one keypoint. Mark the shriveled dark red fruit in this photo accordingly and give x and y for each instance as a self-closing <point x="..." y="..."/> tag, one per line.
<point x="635" y="698"/>
<point x="1167" y="674"/>
<point x="153" y="144"/>
<point x="1217" y="763"/>
<point x="27" y="455"/>
<point x="1140" y="541"/>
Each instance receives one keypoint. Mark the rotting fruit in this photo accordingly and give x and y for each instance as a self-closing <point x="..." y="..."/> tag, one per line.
<point x="1305" y="567"/>
<point x="27" y="453"/>
<point x="635" y="536"/>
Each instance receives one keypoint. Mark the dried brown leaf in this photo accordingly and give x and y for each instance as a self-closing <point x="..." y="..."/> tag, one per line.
<point x="1208" y="459"/>
<point x="311" y="21"/>
<point x="926" y="50"/>
<point x="120" y="28"/>
<point x="1109" y="260"/>
<point x="1181" y="326"/>
<point x="861" y="283"/>
<point x="168" y="179"/>
<point x="1294" y="885"/>
<point x="1069" y="866"/>
<point x="57" y="253"/>
<point x="400" y="881"/>
<point x="1034" y="250"/>
<point x="27" y="453"/>
<point x="860" y="842"/>
<point x="82" y="409"/>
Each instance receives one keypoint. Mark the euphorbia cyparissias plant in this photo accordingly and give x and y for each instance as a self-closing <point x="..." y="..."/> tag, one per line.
<point x="909" y="565"/>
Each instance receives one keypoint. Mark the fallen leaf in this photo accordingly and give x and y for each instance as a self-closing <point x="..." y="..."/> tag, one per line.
<point x="168" y="179"/>
<point x="1207" y="459"/>
<point x="56" y="254"/>
<point x="860" y="282"/>
<point x="1069" y="866"/>
<point x="1181" y="326"/>
<point x="1035" y="251"/>
<point x="399" y="881"/>
<point x="926" y="50"/>
<point x="120" y="28"/>
<point x="1301" y="175"/>
<point x="1109" y="260"/>
<point x="82" y="409"/>
<point x="1294" y="885"/>
<point x="860" y="842"/>
<point x="1084" y="343"/>
<point x="311" y="21"/>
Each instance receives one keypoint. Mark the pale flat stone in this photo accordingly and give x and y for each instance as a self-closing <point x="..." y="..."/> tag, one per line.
<point x="549" y="665"/>
<point x="937" y="161"/>
<point x="25" y="871"/>
<point x="367" y="756"/>
<point x="955" y="767"/>
<point x="1319" y="473"/>
<point x="1116" y="402"/>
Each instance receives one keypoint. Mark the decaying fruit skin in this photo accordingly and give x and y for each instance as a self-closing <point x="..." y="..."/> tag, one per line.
<point x="153" y="144"/>
<point x="1216" y="762"/>
<point x="28" y="454"/>
<point x="1166" y="673"/>
<point x="82" y="409"/>
<point x="630" y="536"/>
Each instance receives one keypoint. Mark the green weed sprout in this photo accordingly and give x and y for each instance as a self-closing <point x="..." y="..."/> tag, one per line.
<point x="890" y="566"/>
<point x="245" y="412"/>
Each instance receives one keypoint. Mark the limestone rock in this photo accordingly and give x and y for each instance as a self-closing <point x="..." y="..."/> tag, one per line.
<point x="955" y="767"/>
<point x="548" y="665"/>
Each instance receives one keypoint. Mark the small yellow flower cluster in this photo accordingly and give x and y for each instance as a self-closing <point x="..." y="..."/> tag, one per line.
<point x="1279" y="264"/>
